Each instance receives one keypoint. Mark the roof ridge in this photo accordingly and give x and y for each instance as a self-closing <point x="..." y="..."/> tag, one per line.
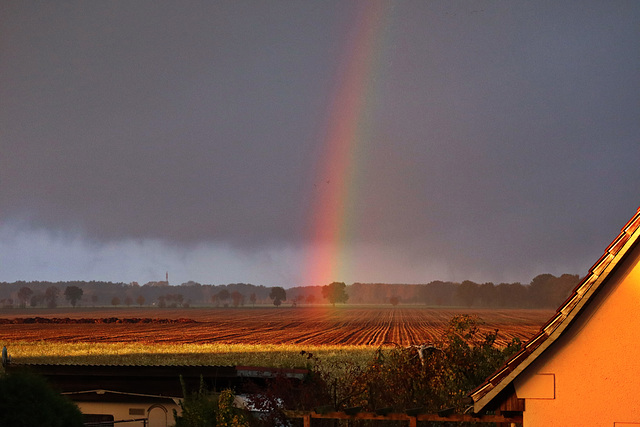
<point x="580" y="295"/>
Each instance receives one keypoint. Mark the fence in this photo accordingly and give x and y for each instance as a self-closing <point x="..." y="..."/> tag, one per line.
<point x="412" y="417"/>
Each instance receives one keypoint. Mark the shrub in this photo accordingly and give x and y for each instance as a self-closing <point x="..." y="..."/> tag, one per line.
<point x="206" y="409"/>
<point x="433" y="376"/>
<point x="27" y="400"/>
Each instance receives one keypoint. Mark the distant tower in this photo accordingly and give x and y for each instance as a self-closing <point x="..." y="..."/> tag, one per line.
<point x="167" y="277"/>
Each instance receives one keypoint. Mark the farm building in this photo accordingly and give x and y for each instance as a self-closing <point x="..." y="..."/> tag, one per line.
<point x="582" y="368"/>
<point x="141" y="395"/>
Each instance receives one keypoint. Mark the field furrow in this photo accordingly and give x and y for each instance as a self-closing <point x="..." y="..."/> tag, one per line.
<point x="318" y="325"/>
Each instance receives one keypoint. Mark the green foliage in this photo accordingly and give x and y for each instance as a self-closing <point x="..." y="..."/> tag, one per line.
<point x="544" y="291"/>
<point x="547" y="290"/>
<point x="206" y="409"/>
<point x="467" y="357"/>
<point x="278" y="294"/>
<point x="140" y="300"/>
<point x="24" y="294"/>
<point x="283" y="393"/>
<point x="467" y="292"/>
<point x="228" y="415"/>
<point x="51" y="296"/>
<point x="335" y="292"/>
<point x="434" y="377"/>
<point x="237" y="298"/>
<point x="198" y="409"/>
<point x="27" y="400"/>
<point x="223" y="295"/>
<point x="73" y="294"/>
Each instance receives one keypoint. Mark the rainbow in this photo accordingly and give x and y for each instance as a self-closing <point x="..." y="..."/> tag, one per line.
<point x="345" y="137"/>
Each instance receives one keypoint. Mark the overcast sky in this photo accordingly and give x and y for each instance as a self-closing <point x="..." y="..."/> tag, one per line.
<point x="497" y="140"/>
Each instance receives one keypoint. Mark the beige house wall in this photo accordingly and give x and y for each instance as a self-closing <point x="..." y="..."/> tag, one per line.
<point x="159" y="415"/>
<point x="591" y="375"/>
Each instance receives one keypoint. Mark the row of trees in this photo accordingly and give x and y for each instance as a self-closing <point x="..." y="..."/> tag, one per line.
<point x="334" y="292"/>
<point x="544" y="291"/>
<point x="49" y="297"/>
<point x="72" y="294"/>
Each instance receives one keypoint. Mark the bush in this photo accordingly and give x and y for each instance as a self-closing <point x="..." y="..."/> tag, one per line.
<point x="206" y="409"/>
<point x="27" y="400"/>
<point x="432" y="376"/>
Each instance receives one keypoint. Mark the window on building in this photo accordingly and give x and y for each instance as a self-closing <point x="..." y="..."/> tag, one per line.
<point x="98" y="420"/>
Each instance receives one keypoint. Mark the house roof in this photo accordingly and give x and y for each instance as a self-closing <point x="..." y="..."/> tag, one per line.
<point x="157" y="380"/>
<point x="101" y="395"/>
<point x="564" y="316"/>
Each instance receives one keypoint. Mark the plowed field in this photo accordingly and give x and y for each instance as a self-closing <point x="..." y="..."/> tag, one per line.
<point x="348" y="326"/>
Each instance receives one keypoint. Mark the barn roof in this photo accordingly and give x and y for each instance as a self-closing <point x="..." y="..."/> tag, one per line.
<point x="157" y="380"/>
<point x="564" y="316"/>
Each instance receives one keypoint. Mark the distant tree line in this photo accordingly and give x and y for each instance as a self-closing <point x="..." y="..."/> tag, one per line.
<point x="544" y="291"/>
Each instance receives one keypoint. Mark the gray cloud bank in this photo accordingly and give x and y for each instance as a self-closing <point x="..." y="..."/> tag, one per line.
<point x="502" y="141"/>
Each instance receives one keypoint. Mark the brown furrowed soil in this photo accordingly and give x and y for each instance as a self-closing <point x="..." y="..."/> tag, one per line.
<point x="317" y="325"/>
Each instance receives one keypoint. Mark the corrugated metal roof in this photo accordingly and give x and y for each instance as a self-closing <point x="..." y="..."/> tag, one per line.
<point x="565" y="314"/>
<point x="14" y="364"/>
<point x="160" y="380"/>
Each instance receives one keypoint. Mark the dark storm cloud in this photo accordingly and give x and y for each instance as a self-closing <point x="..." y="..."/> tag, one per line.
<point x="155" y="122"/>
<point x="504" y="139"/>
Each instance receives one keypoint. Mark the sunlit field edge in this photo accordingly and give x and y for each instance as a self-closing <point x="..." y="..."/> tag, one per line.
<point x="216" y="354"/>
<point x="51" y="351"/>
